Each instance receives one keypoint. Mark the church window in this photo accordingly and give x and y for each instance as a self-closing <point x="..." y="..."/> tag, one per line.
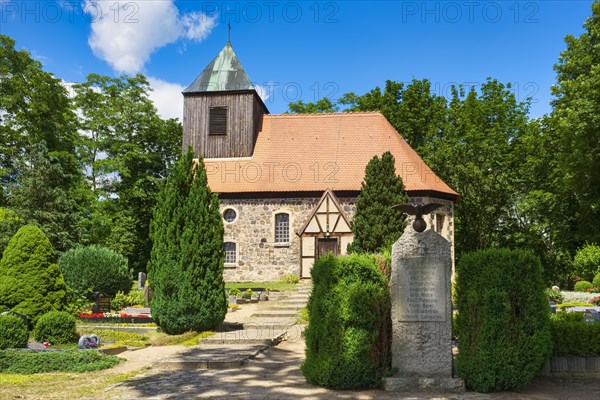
<point x="217" y="124"/>
<point x="230" y="253"/>
<point x="439" y="222"/>
<point x="282" y="228"/>
<point x="229" y="215"/>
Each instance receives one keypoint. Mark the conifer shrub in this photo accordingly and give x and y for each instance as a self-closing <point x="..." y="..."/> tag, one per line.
<point x="95" y="269"/>
<point x="376" y="224"/>
<point x="503" y="325"/>
<point x="582" y="286"/>
<point x="347" y="338"/>
<point x="56" y="327"/>
<point x="186" y="264"/>
<point x="587" y="262"/>
<point x="30" y="281"/>
<point x="13" y="332"/>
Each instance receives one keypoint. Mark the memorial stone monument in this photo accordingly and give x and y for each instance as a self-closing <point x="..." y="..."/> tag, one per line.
<point x="422" y="314"/>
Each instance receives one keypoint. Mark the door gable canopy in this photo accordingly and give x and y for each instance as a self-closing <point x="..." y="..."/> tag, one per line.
<point x="326" y="218"/>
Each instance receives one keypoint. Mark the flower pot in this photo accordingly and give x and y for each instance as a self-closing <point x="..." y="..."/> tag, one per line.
<point x="263" y="297"/>
<point x="232" y="300"/>
<point x="254" y="299"/>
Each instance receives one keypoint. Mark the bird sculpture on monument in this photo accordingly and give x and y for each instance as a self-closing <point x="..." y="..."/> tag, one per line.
<point x="419" y="224"/>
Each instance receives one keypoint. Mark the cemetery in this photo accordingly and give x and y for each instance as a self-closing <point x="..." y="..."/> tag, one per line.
<point x="426" y="246"/>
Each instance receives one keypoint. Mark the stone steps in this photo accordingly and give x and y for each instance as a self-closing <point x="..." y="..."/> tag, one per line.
<point x="212" y="357"/>
<point x="249" y="336"/>
<point x="275" y="314"/>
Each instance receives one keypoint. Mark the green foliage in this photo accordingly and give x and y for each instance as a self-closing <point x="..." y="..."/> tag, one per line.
<point x="375" y="223"/>
<point x="13" y="332"/>
<point x="56" y="327"/>
<point x="596" y="281"/>
<point x="290" y="278"/>
<point x="554" y="295"/>
<point x="583" y="286"/>
<point x="571" y="336"/>
<point x="587" y="262"/>
<point x="572" y="304"/>
<point x="97" y="268"/>
<point x="186" y="268"/>
<point x="234" y="292"/>
<point x="247" y="294"/>
<point x="502" y="327"/>
<point x="122" y="122"/>
<point x="574" y="113"/>
<point x="348" y="334"/>
<point x="122" y="300"/>
<point x="323" y="105"/>
<point x="30" y="281"/>
<point x="33" y="362"/>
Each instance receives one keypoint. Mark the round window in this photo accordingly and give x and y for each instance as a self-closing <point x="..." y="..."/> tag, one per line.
<point x="229" y="215"/>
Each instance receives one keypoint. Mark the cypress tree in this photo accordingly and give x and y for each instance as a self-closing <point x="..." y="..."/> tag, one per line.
<point x="376" y="224"/>
<point x="30" y="281"/>
<point x="186" y="265"/>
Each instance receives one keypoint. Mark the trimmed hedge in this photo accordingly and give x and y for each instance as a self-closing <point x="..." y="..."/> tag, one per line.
<point x="348" y="335"/>
<point x="573" y="337"/>
<point x="596" y="281"/>
<point x="13" y="332"/>
<point x="33" y="362"/>
<point x="503" y="326"/>
<point x="97" y="268"/>
<point x="56" y="327"/>
<point x="583" y="286"/>
<point x="30" y="281"/>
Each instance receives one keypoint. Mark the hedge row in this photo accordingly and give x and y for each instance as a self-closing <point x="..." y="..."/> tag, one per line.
<point x="573" y="337"/>
<point x="348" y="335"/>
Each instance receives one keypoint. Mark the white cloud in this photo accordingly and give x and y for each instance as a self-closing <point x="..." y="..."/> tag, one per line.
<point x="264" y="91"/>
<point x="167" y="98"/>
<point x="198" y="25"/>
<point x="125" y="34"/>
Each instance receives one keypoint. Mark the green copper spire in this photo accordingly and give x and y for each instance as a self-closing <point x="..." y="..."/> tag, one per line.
<point x="223" y="73"/>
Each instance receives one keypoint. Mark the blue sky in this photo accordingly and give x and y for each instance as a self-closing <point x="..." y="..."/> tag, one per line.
<point x="302" y="50"/>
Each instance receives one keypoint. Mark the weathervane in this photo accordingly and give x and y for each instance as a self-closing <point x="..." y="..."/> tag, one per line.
<point x="419" y="225"/>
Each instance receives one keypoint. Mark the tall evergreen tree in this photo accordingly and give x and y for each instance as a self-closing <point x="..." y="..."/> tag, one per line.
<point x="375" y="223"/>
<point x="186" y="265"/>
<point x="30" y="281"/>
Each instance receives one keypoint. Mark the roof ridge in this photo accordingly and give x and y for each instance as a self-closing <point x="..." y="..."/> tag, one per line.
<point x="328" y="114"/>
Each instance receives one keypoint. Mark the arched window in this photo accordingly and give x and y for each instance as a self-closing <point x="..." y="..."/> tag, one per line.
<point x="230" y="253"/>
<point x="282" y="228"/>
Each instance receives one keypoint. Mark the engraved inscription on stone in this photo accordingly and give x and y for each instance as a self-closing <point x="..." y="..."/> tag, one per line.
<point x="422" y="290"/>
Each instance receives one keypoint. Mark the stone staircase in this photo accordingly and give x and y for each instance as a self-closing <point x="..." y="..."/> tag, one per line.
<point x="245" y="334"/>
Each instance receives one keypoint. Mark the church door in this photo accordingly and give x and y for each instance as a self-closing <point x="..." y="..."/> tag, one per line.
<point x="327" y="245"/>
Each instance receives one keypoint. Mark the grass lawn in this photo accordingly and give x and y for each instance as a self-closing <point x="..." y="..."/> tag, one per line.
<point x="273" y="285"/>
<point x="58" y="386"/>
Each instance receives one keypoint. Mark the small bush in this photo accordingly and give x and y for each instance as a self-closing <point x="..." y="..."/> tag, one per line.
<point x="97" y="268"/>
<point x="583" y="286"/>
<point x="347" y="338"/>
<point x="247" y="293"/>
<point x="122" y="300"/>
<point x="33" y="362"/>
<point x="13" y="332"/>
<point x="587" y="262"/>
<point x="290" y="278"/>
<point x="555" y="296"/>
<point x="573" y="304"/>
<point x="234" y="292"/>
<point x="503" y="325"/>
<point x="56" y="327"/>
<point x="573" y="337"/>
<point x="596" y="281"/>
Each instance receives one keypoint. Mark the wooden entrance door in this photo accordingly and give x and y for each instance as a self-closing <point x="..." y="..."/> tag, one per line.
<point x="325" y="246"/>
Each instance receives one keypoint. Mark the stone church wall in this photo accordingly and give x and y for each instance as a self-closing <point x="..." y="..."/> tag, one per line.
<point x="259" y="258"/>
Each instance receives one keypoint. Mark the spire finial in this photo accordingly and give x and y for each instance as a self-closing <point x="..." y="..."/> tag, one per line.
<point x="228" y="32"/>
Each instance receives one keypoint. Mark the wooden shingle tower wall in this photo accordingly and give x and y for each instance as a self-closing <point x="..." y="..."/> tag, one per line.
<point x="222" y="112"/>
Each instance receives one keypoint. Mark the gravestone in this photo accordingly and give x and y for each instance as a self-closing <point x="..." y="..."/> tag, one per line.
<point x="141" y="280"/>
<point x="422" y="313"/>
<point x="102" y="303"/>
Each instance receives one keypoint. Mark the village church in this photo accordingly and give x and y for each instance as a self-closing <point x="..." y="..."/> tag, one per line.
<point x="288" y="183"/>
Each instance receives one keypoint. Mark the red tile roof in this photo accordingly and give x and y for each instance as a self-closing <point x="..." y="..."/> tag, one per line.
<point x="316" y="152"/>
